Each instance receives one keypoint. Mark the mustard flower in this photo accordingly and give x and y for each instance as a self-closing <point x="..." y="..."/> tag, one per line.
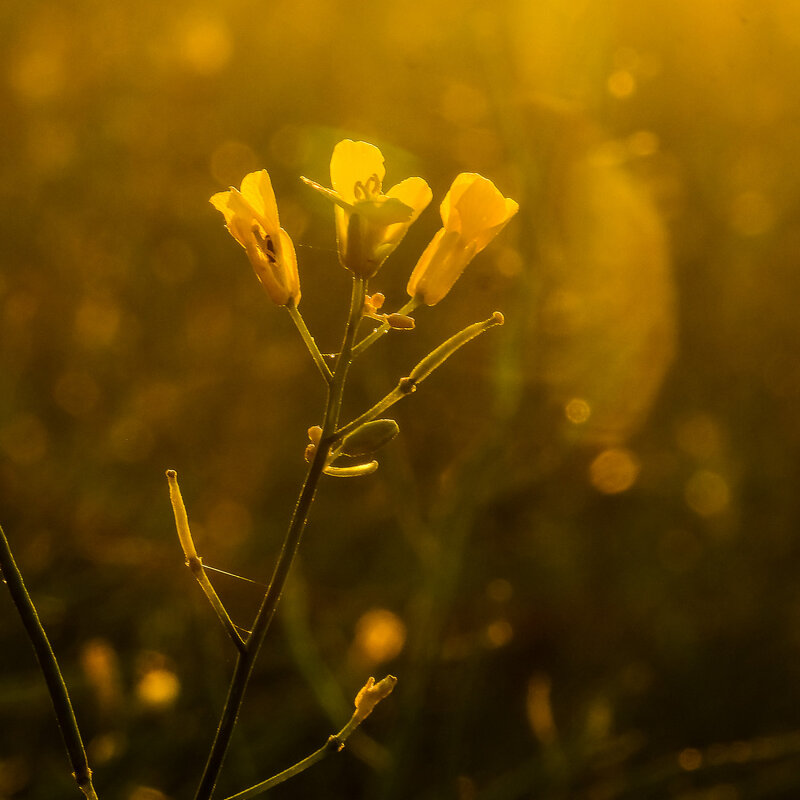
<point x="251" y="215"/>
<point x="369" y="223"/>
<point x="473" y="213"/>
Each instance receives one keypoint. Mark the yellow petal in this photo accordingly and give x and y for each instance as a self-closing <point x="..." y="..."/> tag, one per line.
<point x="257" y="190"/>
<point x="476" y="209"/>
<point x="439" y="267"/>
<point x="352" y="163"/>
<point x="292" y="277"/>
<point x="414" y="193"/>
<point x="384" y="210"/>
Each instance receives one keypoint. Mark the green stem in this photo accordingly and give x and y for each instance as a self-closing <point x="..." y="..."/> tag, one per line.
<point x="383" y="328"/>
<point x="56" y="687"/>
<point x="246" y="658"/>
<point x="431" y="362"/>
<point x="198" y="570"/>
<point x="194" y="562"/>
<point x="334" y="744"/>
<point x="319" y="360"/>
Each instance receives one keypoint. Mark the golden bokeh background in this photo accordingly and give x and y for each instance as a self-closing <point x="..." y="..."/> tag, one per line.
<point x="580" y="557"/>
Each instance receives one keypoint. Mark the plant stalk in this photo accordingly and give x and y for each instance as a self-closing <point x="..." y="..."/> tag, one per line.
<point x="246" y="659"/>
<point x="56" y="686"/>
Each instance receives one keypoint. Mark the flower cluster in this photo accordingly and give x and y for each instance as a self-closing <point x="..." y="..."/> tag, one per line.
<point x="369" y="224"/>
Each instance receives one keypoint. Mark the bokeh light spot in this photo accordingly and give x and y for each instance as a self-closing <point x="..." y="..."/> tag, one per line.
<point x="39" y="74"/>
<point x="380" y="635"/>
<point x="707" y="493"/>
<point x="104" y="747"/>
<point x="499" y="590"/>
<point x="508" y="261"/>
<point x="499" y="633"/>
<point x="158" y="688"/>
<point x="615" y="470"/>
<point x="97" y="322"/>
<point x="205" y="45"/>
<point x="76" y="392"/>
<point x="621" y="84"/>
<point x="228" y="522"/>
<point x="539" y="710"/>
<point x="577" y="410"/>
<point x="643" y="143"/>
<point x="699" y="436"/>
<point x="100" y="665"/>
<point x="14" y="776"/>
<point x="24" y="439"/>
<point x="146" y="793"/>
<point x="690" y="759"/>
<point x="231" y="161"/>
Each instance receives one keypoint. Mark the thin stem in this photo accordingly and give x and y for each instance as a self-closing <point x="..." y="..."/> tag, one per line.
<point x="195" y="563"/>
<point x="404" y="387"/>
<point x="199" y="572"/>
<point x="319" y="360"/>
<point x="246" y="658"/>
<point x="56" y="687"/>
<point x="422" y="370"/>
<point x="383" y="328"/>
<point x="334" y="744"/>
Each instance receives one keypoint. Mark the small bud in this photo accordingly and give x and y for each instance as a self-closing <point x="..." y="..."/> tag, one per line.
<point x="309" y="454"/>
<point x="370" y="437"/>
<point x="372" y="693"/>
<point x="400" y="322"/>
<point x="375" y="301"/>
<point x="315" y="434"/>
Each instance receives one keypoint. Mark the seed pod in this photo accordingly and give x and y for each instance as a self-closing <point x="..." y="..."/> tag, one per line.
<point x="400" y="322"/>
<point x="352" y="472"/>
<point x="369" y="437"/>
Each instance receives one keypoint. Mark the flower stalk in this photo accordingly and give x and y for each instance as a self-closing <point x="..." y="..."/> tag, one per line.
<point x="247" y="656"/>
<point x="56" y="687"/>
<point x="195" y="563"/>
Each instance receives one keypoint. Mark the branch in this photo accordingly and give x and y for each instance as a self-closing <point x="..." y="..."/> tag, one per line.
<point x="244" y="663"/>
<point x="308" y="339"/>
<point x="366" y="700"/>
<point x="57" y="688"/>
<point x="383" y="328"/>
<point x="424" y="368"/>
<point x="195" y="563"/>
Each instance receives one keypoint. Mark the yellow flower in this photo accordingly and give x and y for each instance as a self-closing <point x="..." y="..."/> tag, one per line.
<point x="473" y="213"/>
<point x="251" y="216"/>
<point x="369" y="223"/>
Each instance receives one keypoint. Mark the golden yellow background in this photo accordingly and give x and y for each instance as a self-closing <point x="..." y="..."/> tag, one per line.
<point x="580" y="557"/>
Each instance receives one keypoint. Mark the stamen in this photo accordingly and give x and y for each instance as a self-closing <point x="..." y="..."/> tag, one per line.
<point x="265" y="243"/>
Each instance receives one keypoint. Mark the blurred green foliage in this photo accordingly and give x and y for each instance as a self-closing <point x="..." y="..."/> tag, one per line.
<point x="580" y="555"/>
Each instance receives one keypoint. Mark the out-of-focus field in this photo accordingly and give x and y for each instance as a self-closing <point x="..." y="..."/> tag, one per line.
<point x="580" y="558"/>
